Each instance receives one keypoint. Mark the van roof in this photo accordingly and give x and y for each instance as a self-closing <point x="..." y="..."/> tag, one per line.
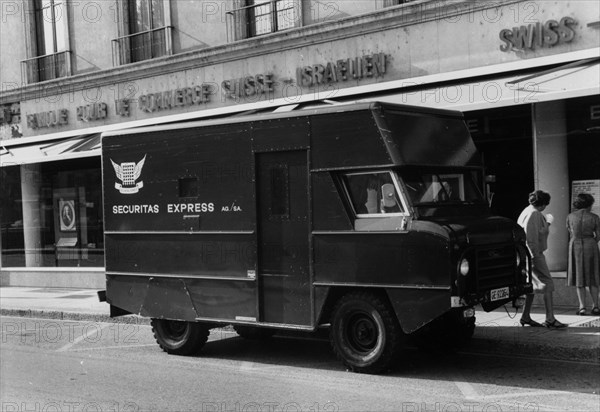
<point x="288" y="111"/>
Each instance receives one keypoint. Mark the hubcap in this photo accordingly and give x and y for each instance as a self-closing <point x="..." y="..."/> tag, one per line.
<point x="175" y="329"/>
<point x="362" y="333"/>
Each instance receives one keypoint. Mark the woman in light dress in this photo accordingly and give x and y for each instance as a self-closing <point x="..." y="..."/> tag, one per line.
<point x="537" y="229"/>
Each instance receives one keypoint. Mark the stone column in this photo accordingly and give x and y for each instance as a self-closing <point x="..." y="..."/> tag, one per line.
<point x="31" y="182"/>
<point x="551" y="174"/>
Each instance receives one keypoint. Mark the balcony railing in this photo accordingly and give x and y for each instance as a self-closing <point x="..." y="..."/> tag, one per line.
<point x="48" y="67"/>
<point x="143" y="45"/>
<point x="262" y="18"/>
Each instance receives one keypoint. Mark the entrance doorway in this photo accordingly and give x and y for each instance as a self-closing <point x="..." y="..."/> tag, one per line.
<point x="504" y="137"/>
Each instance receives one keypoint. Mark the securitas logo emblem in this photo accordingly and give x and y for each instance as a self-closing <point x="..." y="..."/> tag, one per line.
<point x="128" y="173"/>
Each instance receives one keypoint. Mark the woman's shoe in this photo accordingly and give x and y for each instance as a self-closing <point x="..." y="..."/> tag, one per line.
<point x="529" y="322"/>
<point x="554" y="325"/>
<point x="581" y="312"/>
<point x="595" y="311"/>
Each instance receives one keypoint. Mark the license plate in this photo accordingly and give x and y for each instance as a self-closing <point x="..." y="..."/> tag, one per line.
<point x="497" y="294"/>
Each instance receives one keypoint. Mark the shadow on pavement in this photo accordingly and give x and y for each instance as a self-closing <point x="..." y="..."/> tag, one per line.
<point x="430" y="364"/>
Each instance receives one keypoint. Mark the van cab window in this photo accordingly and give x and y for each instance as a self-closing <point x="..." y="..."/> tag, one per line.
<point x="373" y="194"/>
<point x="442" y="187"/>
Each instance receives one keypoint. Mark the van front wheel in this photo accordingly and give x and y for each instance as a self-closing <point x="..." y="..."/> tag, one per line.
<point x="179" y="337"/>
<point x="365" y="334"/>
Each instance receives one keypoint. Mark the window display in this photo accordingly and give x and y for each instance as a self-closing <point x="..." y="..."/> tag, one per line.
<point x="52" y="215"/>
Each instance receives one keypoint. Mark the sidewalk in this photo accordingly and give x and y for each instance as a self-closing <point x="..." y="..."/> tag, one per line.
<point x="497" y="332"/>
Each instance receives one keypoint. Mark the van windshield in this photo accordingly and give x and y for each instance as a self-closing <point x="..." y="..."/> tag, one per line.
<point x="441" y="187"/>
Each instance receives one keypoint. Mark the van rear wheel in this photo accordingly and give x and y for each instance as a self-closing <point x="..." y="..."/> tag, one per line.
<point x="365" y="334"/>
<point x="179" y="337"/>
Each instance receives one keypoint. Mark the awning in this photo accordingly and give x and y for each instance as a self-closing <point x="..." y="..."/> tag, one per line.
<point x="71" y="148"/>
<point x="576" y="79"/>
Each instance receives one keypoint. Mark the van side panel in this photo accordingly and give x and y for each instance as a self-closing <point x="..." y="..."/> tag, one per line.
<point x="192" y="255"/>
<point x="382" y="258"/>
<point x="183" y="299"/>
<point x="198" y="179"/>
<point x="180" y="218"/>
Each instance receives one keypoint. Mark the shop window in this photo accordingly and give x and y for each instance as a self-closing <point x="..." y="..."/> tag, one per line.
<point x="503" y="136"/>
<point x="373" y="194"/>
<point x="52" y="215"/>
<point x="147" y="31"/>
<point x="51" y="43"/>
<point x="253" y="18"/>
<point x="583" y="142"/>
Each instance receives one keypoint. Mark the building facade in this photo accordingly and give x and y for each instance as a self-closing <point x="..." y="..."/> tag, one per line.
<point x="525" y="73"/>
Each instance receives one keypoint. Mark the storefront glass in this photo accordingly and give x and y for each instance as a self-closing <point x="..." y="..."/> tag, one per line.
<point x="583" y="147"/>
<point x="583" y="122"/>
<point x="504" y="137"/>
<point x="52" y="214"/>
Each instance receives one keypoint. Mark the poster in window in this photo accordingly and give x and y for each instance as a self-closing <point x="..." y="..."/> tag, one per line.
<point x="591" y="187"/>
<point x="67" y="215"/>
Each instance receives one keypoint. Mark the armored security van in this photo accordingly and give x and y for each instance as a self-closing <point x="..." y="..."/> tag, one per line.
<point x="366" y="218"/>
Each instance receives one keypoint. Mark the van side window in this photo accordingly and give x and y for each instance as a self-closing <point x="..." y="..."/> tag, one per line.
<point x="280" y="192"/>
<point x="373" y="194"/>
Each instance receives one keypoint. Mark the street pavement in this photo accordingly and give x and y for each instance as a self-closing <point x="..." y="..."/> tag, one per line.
<point x="497" y="332"/>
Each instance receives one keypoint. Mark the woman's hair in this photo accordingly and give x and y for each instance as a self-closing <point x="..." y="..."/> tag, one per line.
<point x="583" y="201"/>
<point x="539" y="198"/>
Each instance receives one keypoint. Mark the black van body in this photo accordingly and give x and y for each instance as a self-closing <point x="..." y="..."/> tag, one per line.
<point x="366" y="217"/>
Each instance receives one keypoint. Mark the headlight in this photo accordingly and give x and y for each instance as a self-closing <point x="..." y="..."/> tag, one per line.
<point x="463" y="269"/>
<point x="518" y="259"/>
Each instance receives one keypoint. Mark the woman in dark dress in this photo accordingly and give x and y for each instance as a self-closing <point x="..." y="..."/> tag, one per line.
<point x="584" y="257"/>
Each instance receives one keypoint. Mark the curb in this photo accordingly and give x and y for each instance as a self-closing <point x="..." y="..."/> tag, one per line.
<point x="75" y="316"/>
<point x="535" y="350"/>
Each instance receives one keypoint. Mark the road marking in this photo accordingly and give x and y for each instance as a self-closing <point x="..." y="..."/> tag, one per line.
<point x="471" y="394"/>
<point x="246" y="366"/>
<point x="88" y="333"/>
<point x="115" y="347"/>
<point x="517" y="406"/>
<point x="512" y="357"/>
<point x="519" y="394"/>
<point x="466" y="389"/>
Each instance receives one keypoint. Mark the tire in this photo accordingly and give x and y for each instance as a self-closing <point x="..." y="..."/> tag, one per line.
<point x="365" y="334"/>
<point x="179" y="337"/>
<point x="253" y="333"/>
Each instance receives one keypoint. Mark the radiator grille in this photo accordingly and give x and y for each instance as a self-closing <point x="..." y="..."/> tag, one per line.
<point x="495" y="267"/>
